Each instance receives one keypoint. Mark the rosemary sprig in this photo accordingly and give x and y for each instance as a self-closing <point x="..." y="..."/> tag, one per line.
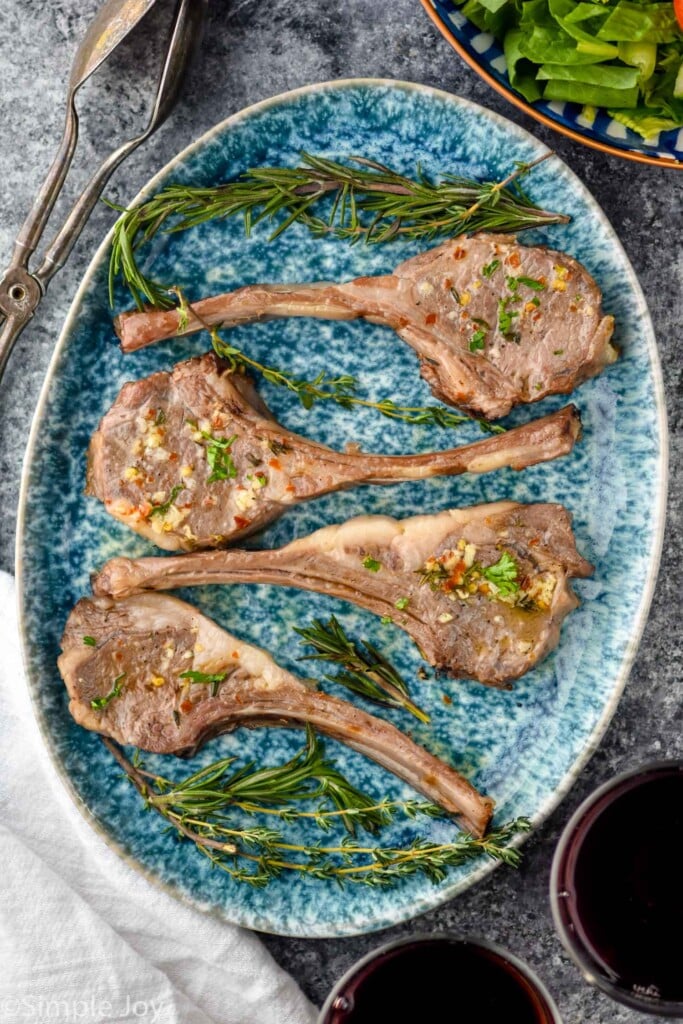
<point x="342" y="391"/>
<point x="194" y="810"/>
<point x="307" y="776"/>
<point x="364" y="669"/>
<point x="370" y="202"/>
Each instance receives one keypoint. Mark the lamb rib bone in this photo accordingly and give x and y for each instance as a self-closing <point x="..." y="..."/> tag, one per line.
<point x="147" y="641"/>
<point x="152" y="460"/>
<point x="426" y="572"/>
<point x="493" y="323"/>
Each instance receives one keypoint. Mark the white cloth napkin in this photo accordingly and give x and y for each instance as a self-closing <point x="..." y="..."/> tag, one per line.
<point x="82" y="936"/>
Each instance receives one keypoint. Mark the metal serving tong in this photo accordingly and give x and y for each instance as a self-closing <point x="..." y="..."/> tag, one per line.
<point x="21" y="289"/>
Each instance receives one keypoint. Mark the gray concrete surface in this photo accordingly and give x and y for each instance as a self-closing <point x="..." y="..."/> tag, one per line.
<point x="253" y="50"/>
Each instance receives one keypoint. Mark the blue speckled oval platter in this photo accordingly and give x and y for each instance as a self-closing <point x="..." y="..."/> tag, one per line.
<point x="485" y="54"/>
<point x="525" y="747"/>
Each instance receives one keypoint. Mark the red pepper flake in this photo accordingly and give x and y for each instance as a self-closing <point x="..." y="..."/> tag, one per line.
<point x="430" y="318"/>
<point x="513" y="259"/>
<point x="275" y="464"/>
<point x="459" y="254"/>
<point x="534" y="541"/>
<point x="241" y="522"/>
<point x="446" y="699"/>
<point x="151" y="414"/>
<point x="173" y="457"/>
<point x="235" y="655"/>
<point x="186" y="706"/>
<point x="290" y="487"/>
<point x="448" y="284"/>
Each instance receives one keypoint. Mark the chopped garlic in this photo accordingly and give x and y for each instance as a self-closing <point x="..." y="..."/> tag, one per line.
<point x="157" y="680"/>
<point x="445" y="617"/>
<point x="244" y="499"/>
<point x="186" y="470"/>
<point x="132" y="473"/>
<point x="465" y="298"/>
<point x="470" y="552"/>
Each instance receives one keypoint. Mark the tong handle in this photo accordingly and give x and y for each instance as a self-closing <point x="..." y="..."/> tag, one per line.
<point x="34" y="225"/>
<point x="185" y="38"/>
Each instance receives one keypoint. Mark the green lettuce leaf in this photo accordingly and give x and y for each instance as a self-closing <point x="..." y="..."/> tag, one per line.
<point x="521" y="72"/>
<point x="644" y="122"/>
<point x="611" y="76"/>
<point x="640" y="23"/>
<point x="595" y="95"/>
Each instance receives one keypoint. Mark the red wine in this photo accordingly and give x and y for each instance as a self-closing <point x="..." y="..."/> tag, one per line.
<point x="434" y="979"/>
<point x="618" y="885"/>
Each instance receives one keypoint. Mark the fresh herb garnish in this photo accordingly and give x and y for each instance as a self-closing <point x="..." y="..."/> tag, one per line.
<point x="435" y="575"/>
<point x="277" y="447"/>
<point x="342" y="391"/>
<point x="102" y="702"/>
<point x="369" y="202"/>
<point x="218" y="454"/>
<point x="490" y="268"/>
<point x="402" y="603"/>
<point x="503" y="574"/>
<point x="477" y="340"/>
<point x="160" y="418"/>
<point x="536" y="286"/>
<point x="365" y="670"/>
<point x="505" y="318"/>
<point x="371" y="564"/>
<point x="161" y="510"/>
<point x="212" y="679"/>
<point x="198" y="807"/>
<point x="90" y="641"/>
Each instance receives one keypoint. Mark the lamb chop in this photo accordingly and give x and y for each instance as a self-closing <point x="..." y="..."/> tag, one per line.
<point x="482" y="591"/>
<point x="494" y="323"/>
<point x="130" y="682"/>
<point x="193" y="458"/>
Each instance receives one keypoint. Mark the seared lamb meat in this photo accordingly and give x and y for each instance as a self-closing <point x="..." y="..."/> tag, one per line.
<point x="131" y="685"/>
<point x="482" y="591"/>
<point x="194" y="459"/>
<point x="494" y="323"/>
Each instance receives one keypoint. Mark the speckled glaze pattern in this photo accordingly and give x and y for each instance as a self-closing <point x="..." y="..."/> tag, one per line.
<point x="487" y="52"/>
<point x="525" y="747"/>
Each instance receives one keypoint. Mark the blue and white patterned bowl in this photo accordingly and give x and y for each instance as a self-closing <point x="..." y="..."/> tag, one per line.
<point x="524" y="748"/>
<point x="485" y="55"/>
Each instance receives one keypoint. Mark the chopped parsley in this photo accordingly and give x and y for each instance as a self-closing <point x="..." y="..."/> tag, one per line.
<point x="530" y="282"/>
<point x="490" y="268"/>
<point x="161" y="510"/>
<point x="102" y="702"/>
<point x="90" y="641"/>
<point x="505" y="318"/>
<point x="159" y="418"/>
<point x="219" y="458"/>
<point x="402" y="603"/>
<point x="218" y="455"/>
<point x="371" y="563"/>
<point x="503" y="574"/>
<point x="386" y="620"/>
<point x="558" y="352"/>
<point x="477" y="340"/>
<point x="211" y="679"/>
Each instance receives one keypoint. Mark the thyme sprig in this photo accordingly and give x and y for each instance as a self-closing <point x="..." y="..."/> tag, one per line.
<point x="370" y="202"/>
<point x="342" y="391"/>
<point x="195" y="810"/>
<point x="365" y="670"/>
